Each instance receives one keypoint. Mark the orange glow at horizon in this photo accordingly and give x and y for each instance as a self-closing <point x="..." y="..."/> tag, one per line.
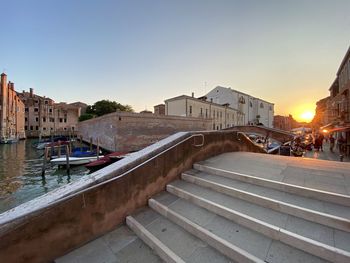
<point x="304" y="112"/>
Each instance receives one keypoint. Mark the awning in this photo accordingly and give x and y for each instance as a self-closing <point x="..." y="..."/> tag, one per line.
<point x="339" y="129"/>
<point x="328" y="126"/>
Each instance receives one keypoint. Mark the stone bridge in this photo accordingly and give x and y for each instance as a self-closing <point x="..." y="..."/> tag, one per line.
<point x="279" y="135"/>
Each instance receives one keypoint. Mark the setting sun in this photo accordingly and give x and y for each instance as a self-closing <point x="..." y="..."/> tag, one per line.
<point x="307" y="116"/>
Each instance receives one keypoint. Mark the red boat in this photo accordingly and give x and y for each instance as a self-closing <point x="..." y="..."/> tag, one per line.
<point x="106" y="160"/>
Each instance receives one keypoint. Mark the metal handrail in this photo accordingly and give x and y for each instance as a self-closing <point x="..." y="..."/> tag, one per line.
<point x="69" y="196"/>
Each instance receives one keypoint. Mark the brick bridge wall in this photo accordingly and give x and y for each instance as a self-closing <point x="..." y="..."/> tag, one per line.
<point x="68" y="221"/>
<point x="122" y="131"/>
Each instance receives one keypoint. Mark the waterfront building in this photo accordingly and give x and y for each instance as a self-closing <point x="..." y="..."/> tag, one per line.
<point x="159" y="109"/>
<point x="222" y="116"/>
<point x="255" y="110"/>
<point x="11" y="112"/>
<point x="285" y="123"/>
<point x="44" y="117"/>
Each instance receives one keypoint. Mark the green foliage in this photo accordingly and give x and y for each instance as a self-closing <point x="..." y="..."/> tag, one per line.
<point x="103" y="107"/>
<point x="86" y="116"/>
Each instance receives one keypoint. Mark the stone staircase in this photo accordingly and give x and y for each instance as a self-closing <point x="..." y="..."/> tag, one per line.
<point x="216" y="215"/>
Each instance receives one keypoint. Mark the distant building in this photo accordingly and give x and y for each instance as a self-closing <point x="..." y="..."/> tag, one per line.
<point x="11" y="112"/>
<point x="285" y="123"/>
<point x="222" y="116"/>
<point x="322" y="115"/>
<point x="146" y="112"/>
<point x="44" y="117"/>
<point x="255" y="110"/>
<point x="159" y="109"/>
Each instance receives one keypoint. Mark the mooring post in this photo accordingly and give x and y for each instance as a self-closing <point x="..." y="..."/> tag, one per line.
<point x="98" y="150"/>
<point x="67" y="159"/>
<point x="59" y="149"/>
<point x="81" y="143"/>
<point x="44" y="161"/>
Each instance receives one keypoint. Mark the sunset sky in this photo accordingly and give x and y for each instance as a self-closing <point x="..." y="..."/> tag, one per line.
<point x="143" y="52"/>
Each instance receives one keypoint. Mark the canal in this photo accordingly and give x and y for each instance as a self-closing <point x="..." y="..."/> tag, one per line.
<point x="20" y="174"/>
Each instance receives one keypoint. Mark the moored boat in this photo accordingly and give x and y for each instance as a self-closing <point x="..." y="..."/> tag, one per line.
<point x="75" y="160"/>
<point x="106" y="160"/>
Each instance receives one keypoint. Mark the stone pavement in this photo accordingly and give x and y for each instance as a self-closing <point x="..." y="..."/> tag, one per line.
<point x="238" y="207"/>
<point x="326" y="154"/>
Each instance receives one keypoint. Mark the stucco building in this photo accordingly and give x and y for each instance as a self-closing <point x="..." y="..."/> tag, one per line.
<point x="44" y="117"/>
<point x="222" y="116"/>
<point x="254" y="110"/>
<point x="159" y="109"/>
<point x="11" y="112"/>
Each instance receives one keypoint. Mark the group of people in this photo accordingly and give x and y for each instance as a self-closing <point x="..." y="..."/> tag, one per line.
<point x="318" y="143"/>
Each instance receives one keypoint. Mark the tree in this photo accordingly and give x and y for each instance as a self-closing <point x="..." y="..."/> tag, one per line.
<point x="86" y="116"/>
<point x="103" y="107"/>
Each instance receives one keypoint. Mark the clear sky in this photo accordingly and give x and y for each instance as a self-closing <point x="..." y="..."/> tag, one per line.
<point x="143" y="52"/>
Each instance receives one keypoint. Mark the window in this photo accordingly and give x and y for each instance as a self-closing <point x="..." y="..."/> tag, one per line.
<point x="220" y="116"/>
<point x="214" y="115"/>
<point x="50" y="110"/>
<point x="36" y="109"/>
<point x="31" y="128"/>
<point x="261" y="105"/>
<point x="44" y="119"/>
<point x="72" y="128"/>
<point x="46" y="102"/>
<point x="26" y="109"/>
<point x="201" y="111"/>
<point x="25" y="119"/>
<point x="26" y="127"/>
<point x="250" y="104"/>
<point x="241" y="100"/>
<point x="206" y="113"/>
<point x="190" y="110"/>
<point x="65" y="120"/>
<point x="213" y="126"/>
<point x="44" y="128"/>
<point x="270" y="108"/>
<point x="36" y="128"/>
<point x="65" y="128"/>
<point x="36" y="119"/>
<point x="61" y="119"/>
<point x="51" y="129"/>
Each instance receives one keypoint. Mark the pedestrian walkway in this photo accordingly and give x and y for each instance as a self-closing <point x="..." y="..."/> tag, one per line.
<point x="326" y="154"/>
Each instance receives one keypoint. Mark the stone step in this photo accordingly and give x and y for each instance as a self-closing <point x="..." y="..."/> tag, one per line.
<point x="241" y="238"/>
<point x="171" y="242"/>
<point x="321" y="212"/>
<point x="120" y="245"/>
<point x="223" y="246"/>
<point x="337" y="198"/>
<point x="273" y="224"/>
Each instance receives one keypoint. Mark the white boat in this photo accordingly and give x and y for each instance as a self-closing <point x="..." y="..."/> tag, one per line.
<point x="74" y="160"/>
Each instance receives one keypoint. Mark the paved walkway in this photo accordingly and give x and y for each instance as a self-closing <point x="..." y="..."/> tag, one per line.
<point x="326" y="154"/>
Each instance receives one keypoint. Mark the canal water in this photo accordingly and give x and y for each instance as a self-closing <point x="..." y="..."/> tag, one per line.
<point x="20" y="174"/>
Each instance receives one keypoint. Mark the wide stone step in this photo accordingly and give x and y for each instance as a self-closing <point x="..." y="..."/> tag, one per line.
<point x="120" y="245"/>
<point x="252" y="243"/>
<point x="321" y="212"/>
<point x="293" y="231"/>
<point x="328" y="196"/>
<point x="171" y="242"/>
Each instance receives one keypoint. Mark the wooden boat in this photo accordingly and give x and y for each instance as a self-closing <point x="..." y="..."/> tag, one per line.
<point x="106" y="160"/>
<point x="75" y="160"/>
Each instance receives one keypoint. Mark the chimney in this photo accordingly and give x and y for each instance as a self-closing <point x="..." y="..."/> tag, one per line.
<point x="3" y="78"/>
<point x="192" y="94"/>
<point x="31" y="92"/>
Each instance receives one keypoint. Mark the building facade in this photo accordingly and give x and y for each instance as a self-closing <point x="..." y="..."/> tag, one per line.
<point x="11" y="112"/>
<point x="44" y="117"/>
<point x="285" y="123"/>
<point x="159" y="109"/>
<point x="222" y="116"/>
<point x="255" y="110"/>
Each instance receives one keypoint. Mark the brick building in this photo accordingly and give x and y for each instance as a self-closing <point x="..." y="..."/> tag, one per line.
<point x="44" y="117"/>
<point x="11" y="112"/>
<point x="159" y="109"/>
<point x="285" y="123"/>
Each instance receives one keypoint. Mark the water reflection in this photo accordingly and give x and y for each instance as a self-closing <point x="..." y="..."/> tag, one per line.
<point x="20" y="174"/>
